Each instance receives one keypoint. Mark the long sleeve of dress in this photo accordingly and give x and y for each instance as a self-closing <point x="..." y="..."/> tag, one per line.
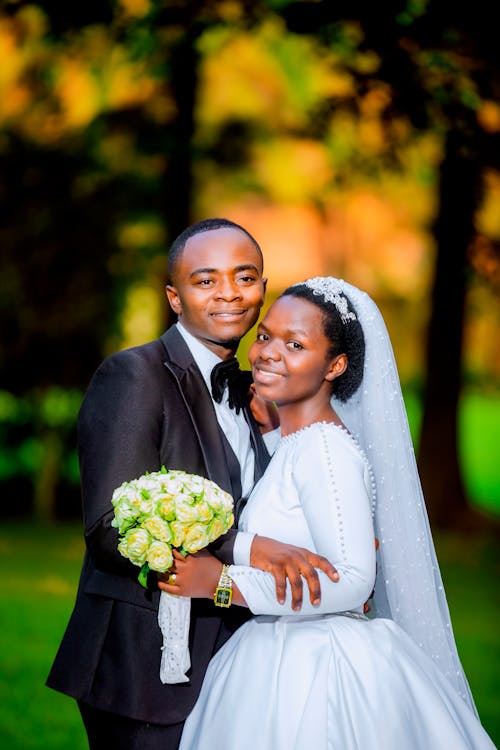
<point x="332" y="483"/>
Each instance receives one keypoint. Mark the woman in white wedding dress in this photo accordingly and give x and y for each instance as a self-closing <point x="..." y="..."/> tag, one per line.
<point x="328" y="677"/>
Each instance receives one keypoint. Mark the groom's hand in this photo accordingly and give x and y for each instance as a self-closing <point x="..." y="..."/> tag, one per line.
<point x="287" y="561"/>
<point x="264" y="412"/>
<point x="195" y="575"/>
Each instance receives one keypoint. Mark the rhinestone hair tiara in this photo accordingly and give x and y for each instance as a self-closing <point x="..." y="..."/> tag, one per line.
<point x="331" y="290"/>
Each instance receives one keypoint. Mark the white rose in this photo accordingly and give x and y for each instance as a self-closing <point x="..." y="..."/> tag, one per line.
<point x="194" y="484"/>
<point x="125" y="517"/>
<point x="211" y="497"/>
<point x="203" y="511"/>
<point x="118" y="494"/>
<point x="172" y="484"/>
<point x="158" y="528"/>
<point x="165" y="507"/>
<point x="125" y="493"/>
<point x="226" y="502"/>
<point x="196" y="537"/>
<point x="159" y="556"/>
<point x="185" y="512"/>
<point x="178" y="533"/>
<point x="146" y="483"/>
<point x="135" y="545"/>
<point x="215" y="529"/>
<point x="142" y="505"/>
<point x="217" y="498"/>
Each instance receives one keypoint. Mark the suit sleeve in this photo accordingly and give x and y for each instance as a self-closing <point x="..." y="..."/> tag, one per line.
<point x="119" y="431"/>
<point x="333" y="487"/>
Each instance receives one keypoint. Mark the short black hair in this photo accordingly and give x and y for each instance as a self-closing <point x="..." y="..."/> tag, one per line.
<point x="206" y="225"/>
<point x="345" y="338"/>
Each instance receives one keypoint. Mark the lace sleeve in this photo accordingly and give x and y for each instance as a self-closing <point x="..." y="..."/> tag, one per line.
<point x="332" y="480"/>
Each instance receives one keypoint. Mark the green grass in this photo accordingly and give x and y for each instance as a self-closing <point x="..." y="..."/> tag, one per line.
<point x="39" y="569"/>
<point x="470" y="567"/>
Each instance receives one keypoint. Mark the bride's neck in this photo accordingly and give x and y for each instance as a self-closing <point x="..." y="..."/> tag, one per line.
<point x="294" y="417"/>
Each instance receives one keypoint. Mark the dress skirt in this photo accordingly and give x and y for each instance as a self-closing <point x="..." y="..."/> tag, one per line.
<point x="331" y="682"/>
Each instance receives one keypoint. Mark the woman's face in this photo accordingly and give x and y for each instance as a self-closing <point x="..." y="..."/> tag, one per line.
<point x="289" y="359"/>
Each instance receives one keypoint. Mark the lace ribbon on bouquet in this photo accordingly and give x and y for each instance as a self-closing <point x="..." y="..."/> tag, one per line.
<point x="173" y="618"/>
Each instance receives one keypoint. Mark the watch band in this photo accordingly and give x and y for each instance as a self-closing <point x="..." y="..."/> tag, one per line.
<point x="224" y="592"/>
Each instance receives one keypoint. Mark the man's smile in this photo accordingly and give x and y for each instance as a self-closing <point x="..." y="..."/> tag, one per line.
<point x="227" y="313"/>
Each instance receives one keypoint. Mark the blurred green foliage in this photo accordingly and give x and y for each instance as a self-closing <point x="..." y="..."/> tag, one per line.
<point x="479" y="421"/>
<point x="30" y="418"/>
<point x="38" y="432"/>
<point x="38" y="459"/>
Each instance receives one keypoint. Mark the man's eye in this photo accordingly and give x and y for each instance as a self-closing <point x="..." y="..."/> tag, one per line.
<point x="246" y="279"/>
<point x="205" y="282"/>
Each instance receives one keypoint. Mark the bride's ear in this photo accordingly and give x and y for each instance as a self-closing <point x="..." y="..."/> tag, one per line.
<point x="338" y="366"/>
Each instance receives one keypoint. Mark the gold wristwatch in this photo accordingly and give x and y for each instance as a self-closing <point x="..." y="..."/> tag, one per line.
<point x="224" y="591"/>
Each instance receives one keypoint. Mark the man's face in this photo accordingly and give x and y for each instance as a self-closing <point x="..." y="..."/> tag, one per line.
<point x="218" y="290"/>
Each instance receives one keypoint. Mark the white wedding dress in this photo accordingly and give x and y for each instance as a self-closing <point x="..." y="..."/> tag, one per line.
<point x="327" y="677"/>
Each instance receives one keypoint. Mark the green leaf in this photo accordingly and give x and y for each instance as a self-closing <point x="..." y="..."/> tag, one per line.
<point x="143" y="575"/>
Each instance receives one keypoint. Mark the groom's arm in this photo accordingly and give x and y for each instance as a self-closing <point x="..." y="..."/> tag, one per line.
<point x="118" y="436"/>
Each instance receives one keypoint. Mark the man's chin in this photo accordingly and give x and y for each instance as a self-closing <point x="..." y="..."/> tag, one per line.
<point x="228" y="336"/>
<point x="228" y="343"/>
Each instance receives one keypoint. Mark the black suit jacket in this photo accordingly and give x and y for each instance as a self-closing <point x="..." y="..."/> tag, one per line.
<point x="145" y="407"/>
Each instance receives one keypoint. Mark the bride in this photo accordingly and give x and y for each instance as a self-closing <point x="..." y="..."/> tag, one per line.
<point x="327" y="676"/>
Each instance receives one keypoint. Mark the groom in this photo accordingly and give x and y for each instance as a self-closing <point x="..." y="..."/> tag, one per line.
<point x="151" y="406"/>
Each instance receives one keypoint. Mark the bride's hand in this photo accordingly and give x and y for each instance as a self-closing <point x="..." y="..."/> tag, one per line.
<point x="285" y="561"/>
<point x="194" y="575"/>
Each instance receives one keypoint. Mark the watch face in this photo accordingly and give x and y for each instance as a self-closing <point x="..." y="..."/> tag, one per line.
<point x="223" y="597"/>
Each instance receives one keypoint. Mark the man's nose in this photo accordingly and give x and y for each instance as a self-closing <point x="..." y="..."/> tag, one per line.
<point x="228" y="290"/>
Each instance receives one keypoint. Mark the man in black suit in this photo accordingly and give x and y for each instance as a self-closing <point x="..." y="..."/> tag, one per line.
<point x="151" y="406"/>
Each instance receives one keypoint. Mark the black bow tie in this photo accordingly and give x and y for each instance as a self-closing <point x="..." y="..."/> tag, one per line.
<point x="238" y="382"/>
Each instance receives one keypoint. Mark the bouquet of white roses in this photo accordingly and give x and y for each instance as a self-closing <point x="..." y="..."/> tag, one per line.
<point x="154" y="513"/>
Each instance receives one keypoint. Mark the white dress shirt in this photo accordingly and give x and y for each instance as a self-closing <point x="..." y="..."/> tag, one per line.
<point x="234" y="427"/>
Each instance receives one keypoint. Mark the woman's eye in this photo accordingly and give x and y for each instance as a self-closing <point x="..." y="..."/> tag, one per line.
<point x="262" y="337"/>
<point x="295" y="345"/>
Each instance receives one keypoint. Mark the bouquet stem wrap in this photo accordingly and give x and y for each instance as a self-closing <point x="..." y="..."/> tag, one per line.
<point x="174" y="618"/>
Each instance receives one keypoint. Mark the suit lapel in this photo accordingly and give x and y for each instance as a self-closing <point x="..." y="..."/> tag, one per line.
<point x="199" y="406"/>
<point x="262" y="457"/>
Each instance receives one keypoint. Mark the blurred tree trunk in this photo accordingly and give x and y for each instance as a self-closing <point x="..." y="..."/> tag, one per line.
<point x="178" y="186"/>
<point x="47" y="480"/>
<point x="178" y="180"/>
<point x="439" y="462"/>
